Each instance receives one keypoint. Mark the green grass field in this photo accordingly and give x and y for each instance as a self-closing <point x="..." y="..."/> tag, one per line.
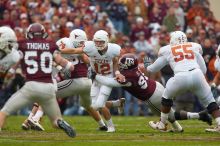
<point x="131" y="131"/>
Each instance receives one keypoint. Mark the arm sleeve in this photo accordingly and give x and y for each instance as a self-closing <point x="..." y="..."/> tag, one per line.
<point x="111" y="82"/>
<point x="157" y="65"/>
<point x="201" y="63"/>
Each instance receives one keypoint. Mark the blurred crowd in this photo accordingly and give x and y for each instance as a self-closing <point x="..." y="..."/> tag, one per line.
<point x="138" y="26"/>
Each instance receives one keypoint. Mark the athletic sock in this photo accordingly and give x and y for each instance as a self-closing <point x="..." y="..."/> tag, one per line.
<point x="164" y="117"/>
<point x="192" y="115"/>
<point x="217" y="121"/>
<point x="30" y="115"/>
<point x="110" y="123"/>
<point x="116" y="103"/>
<point x="38" y="115"/>
<point x="101" y="123"/>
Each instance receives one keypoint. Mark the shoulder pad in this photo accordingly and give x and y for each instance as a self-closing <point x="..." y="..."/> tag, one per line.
<point x="164" y="50"/>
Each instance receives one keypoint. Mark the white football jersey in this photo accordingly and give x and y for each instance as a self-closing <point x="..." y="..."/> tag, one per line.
<point x="102" y="63"/>
<point x="183" y="57"/>
<point x="9" y="60"/>
<point x="66" y="43"/>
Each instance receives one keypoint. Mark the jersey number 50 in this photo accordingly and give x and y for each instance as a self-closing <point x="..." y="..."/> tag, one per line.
<point x="45" y="62"/>
<point x="181" y="52"/>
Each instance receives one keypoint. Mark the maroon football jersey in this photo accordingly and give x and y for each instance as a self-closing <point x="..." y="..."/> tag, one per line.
<point x="142" y="87"/>
<point x="80" y="69"/>
<point x="37" y="59"/>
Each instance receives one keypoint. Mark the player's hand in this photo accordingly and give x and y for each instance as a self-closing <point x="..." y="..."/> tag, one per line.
<point x="214" y="90"/>
<point x="66" y="71"/>
<point x="120" y="78"/>
<point x="147" y="61"/>
<point x="91" y="73"/>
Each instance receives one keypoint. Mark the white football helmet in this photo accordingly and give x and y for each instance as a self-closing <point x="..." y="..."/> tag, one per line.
<point x="177" y="37"/>
<point x="101" y="39"/>
<point x="78" y="37"/>
<point x="8" y="39"/>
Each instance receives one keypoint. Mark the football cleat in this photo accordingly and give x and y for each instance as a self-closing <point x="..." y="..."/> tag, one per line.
<point x="111" y="129"/>
<point x="158" y="126"/>
<point x="121" y="106"/>
<point x="66" y="127"/>
<point x="103" y="128"/>
<point x="25" y="125"/>
<point x="215" y="129"/>
<point x="203" y="116"/>
<point x="35" y="125"/>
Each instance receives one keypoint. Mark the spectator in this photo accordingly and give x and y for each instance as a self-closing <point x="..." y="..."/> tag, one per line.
<point x="170" y="20"/>
<point x="139" y="27"/>
<point x="142" y="45"/>
<point x="195" y="10"/>
<point x="138" y="8"/>
<point x="179" y="14"/>
<point x="118" y="14"/>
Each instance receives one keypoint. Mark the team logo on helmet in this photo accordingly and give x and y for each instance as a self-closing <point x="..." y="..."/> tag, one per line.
<point x="128" y="61"/>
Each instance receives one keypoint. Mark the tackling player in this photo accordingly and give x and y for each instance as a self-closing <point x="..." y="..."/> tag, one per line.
<point x="189" y="68"/>
<point x="146" y="90"/>
<point x="36" y="62"/>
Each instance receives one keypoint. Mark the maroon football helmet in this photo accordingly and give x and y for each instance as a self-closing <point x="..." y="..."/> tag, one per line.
<point x="128" y="61"/>
<point x="36" y="30"/>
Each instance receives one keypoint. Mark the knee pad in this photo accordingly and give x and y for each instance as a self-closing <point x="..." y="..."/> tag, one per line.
<point x="212" y="107"/>
<point x="167" y="102"/>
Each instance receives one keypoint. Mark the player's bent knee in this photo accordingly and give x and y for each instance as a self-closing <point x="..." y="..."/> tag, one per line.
<point x="167" y="102"/>
<point x="212" y="107"/>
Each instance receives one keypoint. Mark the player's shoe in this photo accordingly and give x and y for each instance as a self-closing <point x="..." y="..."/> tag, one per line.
<point x="216" y="129"/>
<point x="203" y="116"/>
<point x="25" y="125"/>
<point x="111" y="129"/>
<point x="176" y="127"/>
<point x="35" y="125"/>
<point x="158" y="126"/>
<point x="103" y="128"/>
<point x="121" y="106"/>
<point x="66" y="127"/>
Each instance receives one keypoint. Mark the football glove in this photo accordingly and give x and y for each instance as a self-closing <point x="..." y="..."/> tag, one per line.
<point x="66" y="73"/>
<point x="147" y="61"/>
<point x="91" y="73"/>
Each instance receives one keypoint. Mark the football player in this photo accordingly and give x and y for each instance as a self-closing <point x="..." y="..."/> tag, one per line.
<point x="103" y="57"/>
<point x="189" y="68"/>
<point x="77" y="83"/>
<point x="36" y="62"/>
<point x="147" y="90"/>
<point x="8" y="51"/>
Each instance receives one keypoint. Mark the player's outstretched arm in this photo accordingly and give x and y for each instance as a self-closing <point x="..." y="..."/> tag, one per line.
<point x="157" y="65"/>
<point x="72" y="50"/>
<point x="111" y="82"/>
<point x="63" y="62"/>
